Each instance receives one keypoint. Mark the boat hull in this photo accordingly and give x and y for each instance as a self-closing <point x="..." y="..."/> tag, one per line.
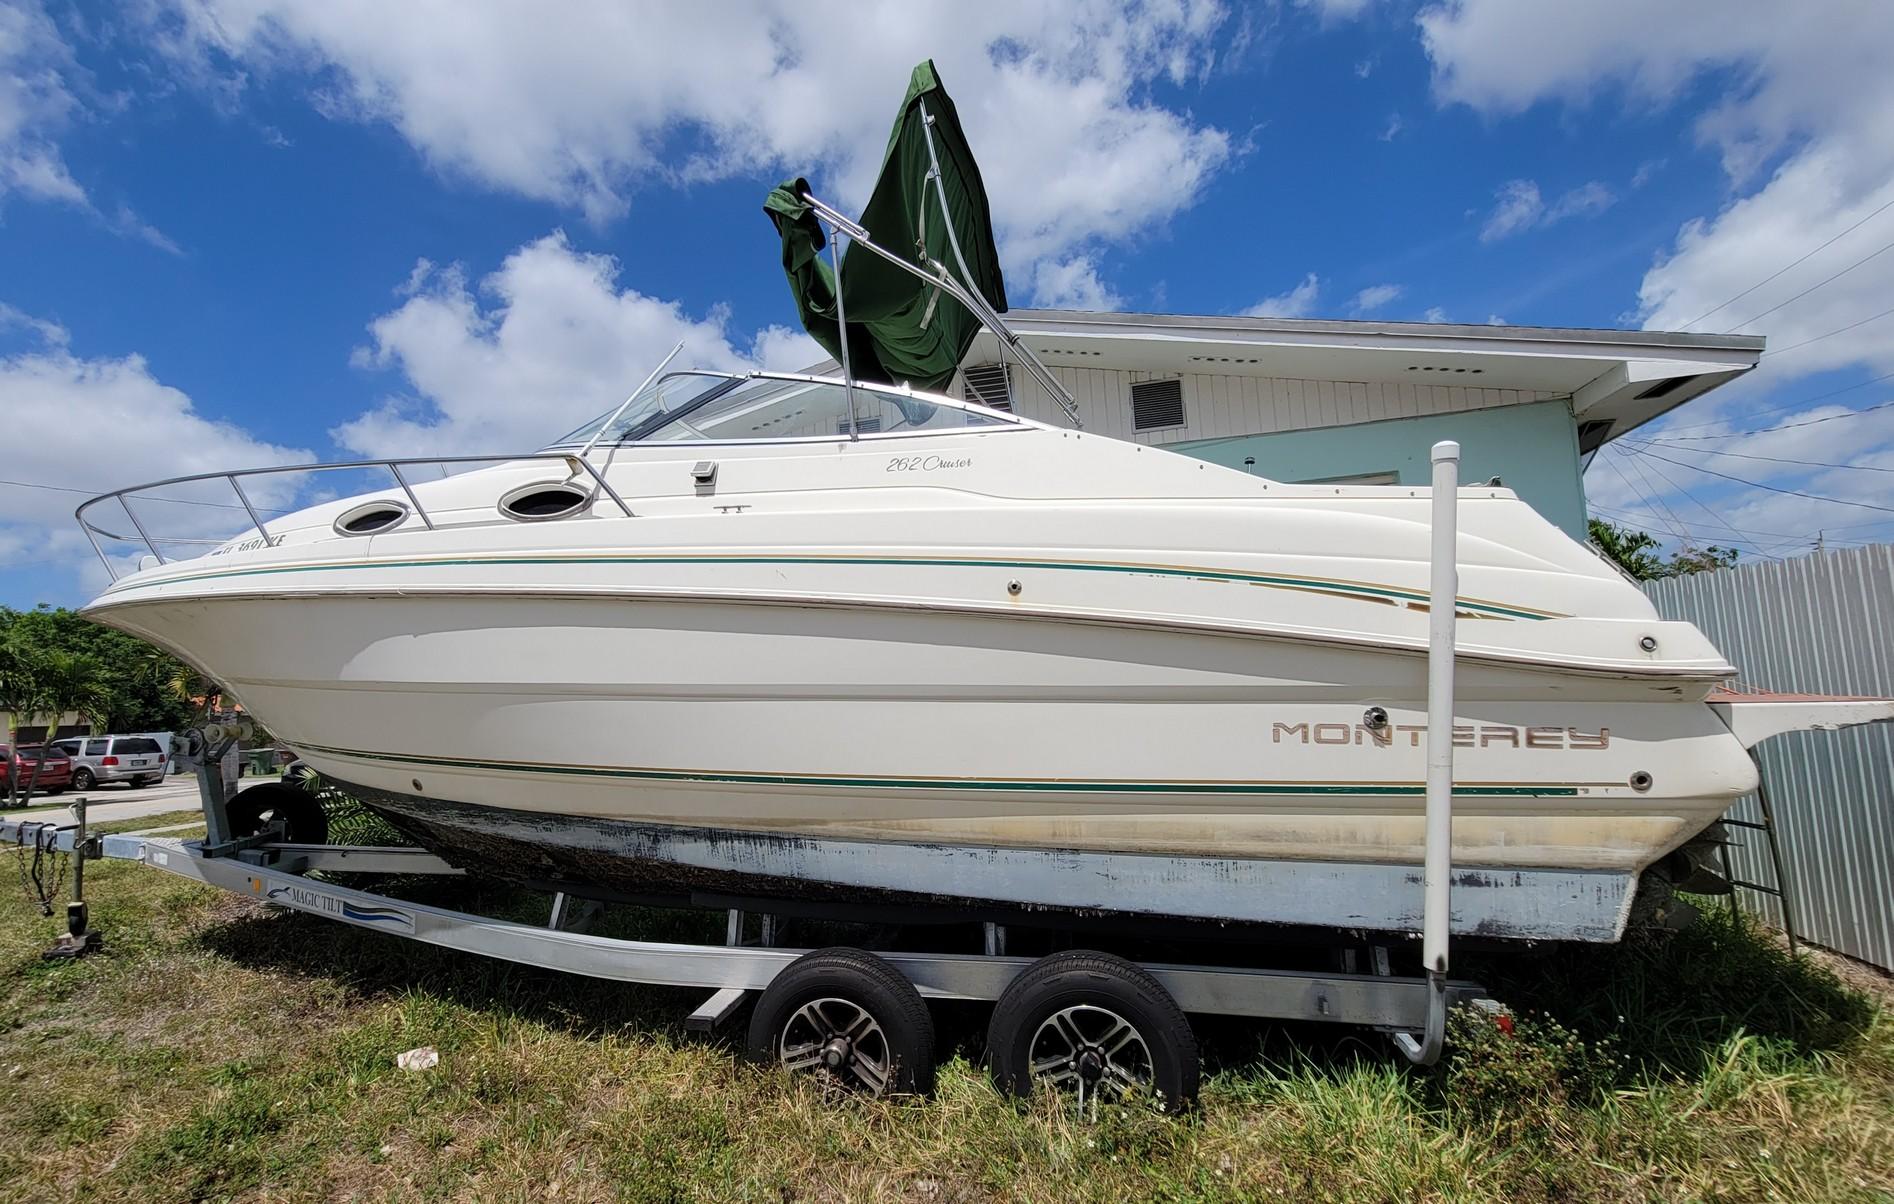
<point x="912" y="744"/>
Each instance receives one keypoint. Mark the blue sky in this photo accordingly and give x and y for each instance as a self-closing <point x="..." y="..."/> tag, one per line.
<point x="238" y="231"/>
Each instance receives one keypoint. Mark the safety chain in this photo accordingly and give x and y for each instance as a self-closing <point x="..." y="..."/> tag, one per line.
<point x="47" y="859"/>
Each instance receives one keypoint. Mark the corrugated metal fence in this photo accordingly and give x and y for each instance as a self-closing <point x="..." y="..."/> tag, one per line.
<point x="1823" y="624"/>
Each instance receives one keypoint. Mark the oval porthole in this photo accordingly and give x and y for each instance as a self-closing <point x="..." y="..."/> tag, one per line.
<point x="370" y="517"/>
<point x="544" y="500"/>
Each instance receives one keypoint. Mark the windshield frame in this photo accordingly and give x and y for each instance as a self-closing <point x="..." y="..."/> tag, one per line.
<point x="1001" y="420"/>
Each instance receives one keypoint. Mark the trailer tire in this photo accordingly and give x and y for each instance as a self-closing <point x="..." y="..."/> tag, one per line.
<point x="299" y="810"/>
<point x="1096" y="1025"/>
<point x="849" y="1016"/>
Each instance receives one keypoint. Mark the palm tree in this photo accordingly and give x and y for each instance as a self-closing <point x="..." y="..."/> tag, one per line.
<point x="68" y="682"/>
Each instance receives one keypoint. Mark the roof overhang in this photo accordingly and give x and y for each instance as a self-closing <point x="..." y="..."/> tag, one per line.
<point x="1616" y="379"/>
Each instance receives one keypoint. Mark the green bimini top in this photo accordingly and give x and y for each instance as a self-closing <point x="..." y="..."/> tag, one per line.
<point x="900" y="328"/>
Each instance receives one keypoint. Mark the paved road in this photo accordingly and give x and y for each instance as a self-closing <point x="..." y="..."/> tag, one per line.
<point x="176" y="793"/>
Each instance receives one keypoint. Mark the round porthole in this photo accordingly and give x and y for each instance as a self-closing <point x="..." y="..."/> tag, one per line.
<point x="370" y="517"/>
<point x="544" y="500"/>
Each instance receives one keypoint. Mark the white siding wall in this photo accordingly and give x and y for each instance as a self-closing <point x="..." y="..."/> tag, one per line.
<point x="1219" y="406"/>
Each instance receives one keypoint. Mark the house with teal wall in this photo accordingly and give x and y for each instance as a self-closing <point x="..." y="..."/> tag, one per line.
<point x="1303" y="400"/>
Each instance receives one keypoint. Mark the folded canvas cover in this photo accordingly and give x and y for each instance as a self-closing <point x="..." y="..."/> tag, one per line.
<point x="900" y="329"/>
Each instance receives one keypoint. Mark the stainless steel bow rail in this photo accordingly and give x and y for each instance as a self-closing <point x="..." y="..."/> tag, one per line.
<point x="577" y="465"/>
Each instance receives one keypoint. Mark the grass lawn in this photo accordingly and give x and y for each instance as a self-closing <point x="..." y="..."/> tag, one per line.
<point x="216" y="1049"/>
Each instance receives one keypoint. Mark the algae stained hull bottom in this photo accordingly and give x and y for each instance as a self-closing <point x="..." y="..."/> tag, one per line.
<point x="588" y="855"/>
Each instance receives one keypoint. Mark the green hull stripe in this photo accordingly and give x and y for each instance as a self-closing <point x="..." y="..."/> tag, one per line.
<point x="1386" y="593"/>
<point x="1377" y="789"/>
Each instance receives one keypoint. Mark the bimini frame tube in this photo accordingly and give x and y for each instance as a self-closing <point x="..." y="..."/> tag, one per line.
<point x="1437" y="872"/>
<point x="938" y="275"/>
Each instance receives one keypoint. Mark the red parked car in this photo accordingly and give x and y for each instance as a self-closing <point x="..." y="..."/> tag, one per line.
<point x="55" y="774"/>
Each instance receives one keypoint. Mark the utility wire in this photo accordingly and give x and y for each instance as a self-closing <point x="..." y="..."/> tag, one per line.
<point x="1786" y="426"/>
<point x="1794" y="405"/>
<point x="1644" y="518"/>
<point x="1782" y="536"/>
<point x="1831" y="334"/>
<point x="1666" y="478"/>
<point x="1811" y="288"/>
<point x="1766" y="279"/>
<point x="1705" y="451"/>
<point x="1759" y="485"/>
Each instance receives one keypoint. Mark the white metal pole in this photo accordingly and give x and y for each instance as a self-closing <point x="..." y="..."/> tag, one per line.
<point x="1440" y="639"/>
<point x="1437" y="872"/>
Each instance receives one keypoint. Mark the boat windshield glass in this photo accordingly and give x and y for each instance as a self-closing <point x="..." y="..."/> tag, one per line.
<point x="705" y="407"/>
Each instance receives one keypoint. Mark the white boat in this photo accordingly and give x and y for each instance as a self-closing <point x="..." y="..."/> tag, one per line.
<point x="961" y="657"/>
<point x="772" y="635"/>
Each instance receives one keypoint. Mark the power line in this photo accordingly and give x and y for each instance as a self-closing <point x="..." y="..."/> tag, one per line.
<point x="1759" y="485"/>
<point x="1762" y="547"/>
<point x="1794" y="405"/>
<point x="1786" y="426"/>
<point x="1706" y="451"/>
<point x="1766" y="279"/>
<point x="1611" y="462"/>
<point x="1831" y="334"/>
<point x="1699" y="505"/>
<point x="1811" y="288"/>
<point x="1782" y="536"/>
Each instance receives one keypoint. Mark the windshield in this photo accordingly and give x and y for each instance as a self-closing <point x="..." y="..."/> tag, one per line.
<point x="702" y="407"/>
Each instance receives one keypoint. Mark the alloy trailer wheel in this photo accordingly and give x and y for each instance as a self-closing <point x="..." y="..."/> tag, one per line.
<point x="849" y="1017"/>
<point x="82" y="779"/>
<point x="302" y="816"/>
<point x="1097" y="1028"/>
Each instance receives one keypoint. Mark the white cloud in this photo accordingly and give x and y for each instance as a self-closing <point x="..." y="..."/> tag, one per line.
<point x="1647" y="171"/>
<point x="35" y="105"/>
<point x="1298" y="302"/>
<point x="1583" y="201"/>
<point x="1375" y="296"/>
<point x="1394" y="127"/>
<point x="1337" y="10"/>
<point x="56" y="408"/>
<point x="544" y="342"/>
<point x="38" y="103"/>
<point x="577" y="103"/>
<point x="1798" y="110"/>
<point x="1073" y="283"/>
<point x="1518" y="207"/>
<point x="1434" y="314"/>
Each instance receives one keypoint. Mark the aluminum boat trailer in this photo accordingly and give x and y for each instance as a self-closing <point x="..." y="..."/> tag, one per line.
<point x="860" y="1015"/>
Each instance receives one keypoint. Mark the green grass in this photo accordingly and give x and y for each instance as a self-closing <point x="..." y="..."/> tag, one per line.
<point x="215" y="1049"/>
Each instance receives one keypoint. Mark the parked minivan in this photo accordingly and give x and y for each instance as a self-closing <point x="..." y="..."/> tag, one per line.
<point x="134" y="760"/>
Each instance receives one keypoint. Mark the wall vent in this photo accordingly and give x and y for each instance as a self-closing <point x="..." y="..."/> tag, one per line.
<point x="1156" y="404"/>
<point x="990" y="385"/>
<point x="1669" y="384"/>
<point x="1592" y="435"/>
